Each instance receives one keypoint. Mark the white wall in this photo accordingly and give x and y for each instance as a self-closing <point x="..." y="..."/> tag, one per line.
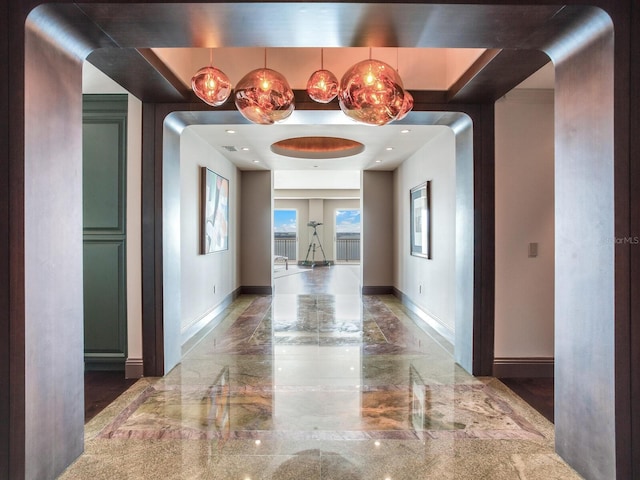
<point x="524" y="169"/>
<point x="96" y="82"/>
<point x="377" y="242"/>
<point x="256" y="227"/>
<point x="206" y="280"/>
<point x="429" y="283"/>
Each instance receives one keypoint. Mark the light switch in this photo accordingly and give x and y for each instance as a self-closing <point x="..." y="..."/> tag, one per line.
<point x="533" y="249"/>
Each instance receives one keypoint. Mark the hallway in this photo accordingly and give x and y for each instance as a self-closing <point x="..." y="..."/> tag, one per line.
<point x="318" y="382"/>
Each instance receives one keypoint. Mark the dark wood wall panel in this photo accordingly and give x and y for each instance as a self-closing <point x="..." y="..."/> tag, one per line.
<point x="151" y="248"/>
<point x="4" y="243"/>
<point x="484" y="265"/>
<point x="14" y="196"/>
<point x="634" y="231"/>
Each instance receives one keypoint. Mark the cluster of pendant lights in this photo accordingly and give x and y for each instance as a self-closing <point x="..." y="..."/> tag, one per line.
<point x="369" y="92"/>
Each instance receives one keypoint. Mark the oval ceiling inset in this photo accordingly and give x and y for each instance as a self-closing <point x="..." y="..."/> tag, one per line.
<point x="317" y="147"/>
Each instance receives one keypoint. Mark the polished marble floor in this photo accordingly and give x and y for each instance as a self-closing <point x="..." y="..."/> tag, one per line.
<point x="319" y="383"/>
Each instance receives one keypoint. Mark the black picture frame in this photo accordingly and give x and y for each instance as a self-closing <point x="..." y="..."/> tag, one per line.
<point x="420" y="222"/>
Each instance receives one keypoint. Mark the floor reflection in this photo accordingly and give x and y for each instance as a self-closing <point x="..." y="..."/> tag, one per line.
<point x="319" y="384"/>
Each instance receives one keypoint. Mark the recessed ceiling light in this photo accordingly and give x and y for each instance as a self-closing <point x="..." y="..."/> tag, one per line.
<point x="378" y="161"/>
<point x="389" y="149"/>
<point x="406" y="130"/>
<point x="256" y="161"/>
<point x="230" y="131"/>
<point x="245" y="149"/>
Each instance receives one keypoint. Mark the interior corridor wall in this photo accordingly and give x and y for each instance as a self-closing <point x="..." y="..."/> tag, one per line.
<point x="377" y="218"/>
<point x="524" y="193"/>
<point x="206" y="280"/>
<point x="429" y="283"/>
<point x="256" y="231"/>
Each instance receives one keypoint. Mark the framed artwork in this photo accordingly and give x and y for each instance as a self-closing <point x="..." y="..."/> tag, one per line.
<point x="420" y="207"/>
<point x="214" y="212"/>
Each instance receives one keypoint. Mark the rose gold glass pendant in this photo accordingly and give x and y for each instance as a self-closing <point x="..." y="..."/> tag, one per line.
<point x="211" y="86"/>
<point x="264" y="96"/>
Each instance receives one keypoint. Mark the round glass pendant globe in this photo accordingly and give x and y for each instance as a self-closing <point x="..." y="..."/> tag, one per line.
<point x="371" y="92"/>
<point x="264" y="96"/>
<point x="322" y="86"/>
<point x="211" y="86"/>
<point x="407" y="105"/>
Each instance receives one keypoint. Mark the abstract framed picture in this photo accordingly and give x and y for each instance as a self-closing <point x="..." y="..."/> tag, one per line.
<point x="214" y="212"/>
<point x="420" y="207"/>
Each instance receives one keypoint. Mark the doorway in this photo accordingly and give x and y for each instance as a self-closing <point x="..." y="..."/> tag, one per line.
<point x="347" y="236"/>
<point x="285" y="237"/>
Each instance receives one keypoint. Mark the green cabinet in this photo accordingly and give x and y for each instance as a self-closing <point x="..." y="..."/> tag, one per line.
<point x="104" y="147"/>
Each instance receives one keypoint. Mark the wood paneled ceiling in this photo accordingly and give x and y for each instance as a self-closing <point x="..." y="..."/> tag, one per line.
<point x="136" y="43"/>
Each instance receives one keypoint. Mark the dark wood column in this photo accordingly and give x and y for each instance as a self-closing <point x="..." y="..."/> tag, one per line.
<point x="484" y="222"/>
<point x="633" y="337"/>
<point x="5" y="276"/>
<point x="152" y="343"/>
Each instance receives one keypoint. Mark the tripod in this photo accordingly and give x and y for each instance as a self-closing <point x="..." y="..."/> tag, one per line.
<point x="312" y="247"/>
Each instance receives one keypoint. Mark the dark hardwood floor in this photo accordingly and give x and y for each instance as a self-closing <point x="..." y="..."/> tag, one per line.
<point x="102" y="388"/>
<point x="537" y="392"/>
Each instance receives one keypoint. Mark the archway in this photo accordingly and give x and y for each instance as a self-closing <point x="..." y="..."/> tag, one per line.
<point x="58" y="37"/>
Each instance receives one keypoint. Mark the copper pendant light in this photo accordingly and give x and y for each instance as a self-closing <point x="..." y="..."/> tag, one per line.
<point x="211" y="85"/>
<point x="371" y="92"/>
<point x="407" y="105"/>
<point x="264" y="96"/>
<point x="407" y="101"/>
<point x="322" y="85"/>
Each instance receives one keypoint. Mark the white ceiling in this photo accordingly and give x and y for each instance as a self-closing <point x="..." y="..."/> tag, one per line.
<point x="385" y="147"/>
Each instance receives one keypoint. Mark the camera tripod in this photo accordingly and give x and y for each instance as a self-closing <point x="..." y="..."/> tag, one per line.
<point x="312" y="248"/>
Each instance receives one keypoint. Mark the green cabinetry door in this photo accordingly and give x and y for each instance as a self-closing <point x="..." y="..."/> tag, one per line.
<point x="104" y="213"/>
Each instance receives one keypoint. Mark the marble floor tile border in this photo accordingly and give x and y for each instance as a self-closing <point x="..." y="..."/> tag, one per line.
<point x="113" y="430"/>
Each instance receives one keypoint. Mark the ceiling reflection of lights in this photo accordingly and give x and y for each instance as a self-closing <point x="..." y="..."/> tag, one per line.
<point x="369" y="92"/>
